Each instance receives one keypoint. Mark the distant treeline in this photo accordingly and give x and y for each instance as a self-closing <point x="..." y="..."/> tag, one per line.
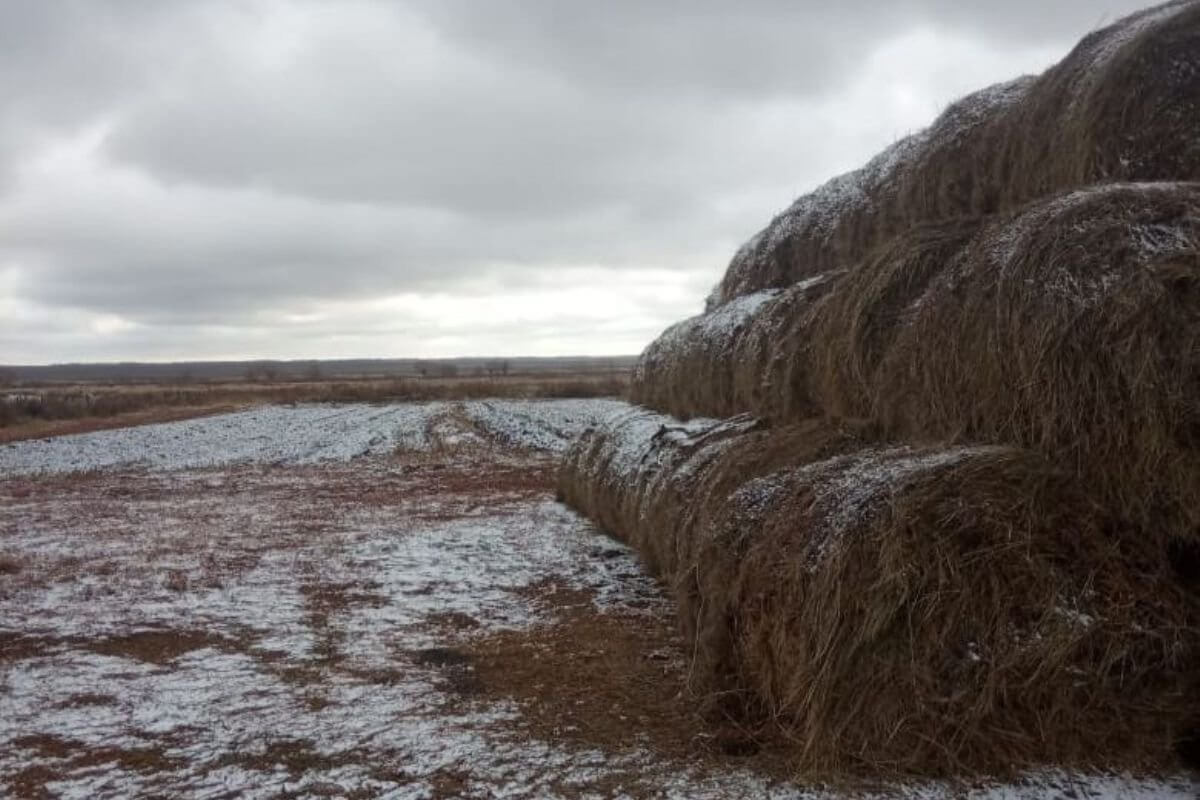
<point x="266" y="371"/>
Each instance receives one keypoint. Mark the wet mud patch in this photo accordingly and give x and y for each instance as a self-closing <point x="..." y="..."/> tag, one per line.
<point x="158" y="646"/>
<point x="455" y="670"/>
<point x="15" y="646"/>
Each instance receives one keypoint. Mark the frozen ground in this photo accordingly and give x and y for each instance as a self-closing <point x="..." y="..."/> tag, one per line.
<point x="275" y="604"/>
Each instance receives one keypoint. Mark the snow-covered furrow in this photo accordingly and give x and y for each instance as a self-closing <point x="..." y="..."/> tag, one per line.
<point x="547" y="425"/>
<point x="270" y="434"/>
<point x="300" y="435"/>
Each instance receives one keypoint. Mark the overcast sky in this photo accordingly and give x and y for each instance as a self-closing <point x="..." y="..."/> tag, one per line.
<point x="293" y="179"/>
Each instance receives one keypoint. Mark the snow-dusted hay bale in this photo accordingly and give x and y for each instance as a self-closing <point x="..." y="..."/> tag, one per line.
<point x="1071" y="329"/>
<point x="727" y="361"/>
<point x="616" y="472"/>
<point x="921" y="610"/>
<point x="1121" y="106"/>
<point x="941" y="611"/>
<point x="794" y="353"/>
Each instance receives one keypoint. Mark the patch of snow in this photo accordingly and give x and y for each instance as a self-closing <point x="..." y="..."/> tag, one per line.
<point x="270" y="434"/>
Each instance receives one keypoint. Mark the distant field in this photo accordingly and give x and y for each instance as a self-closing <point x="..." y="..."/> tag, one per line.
<point x="50" y="409"/>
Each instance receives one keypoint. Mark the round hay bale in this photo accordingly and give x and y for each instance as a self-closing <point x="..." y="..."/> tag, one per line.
<point x="742" y="357"/>
<point x="1120" y="107"/>
<point x="644" y="477"/>
<point x="616" y="473"/>
<point x="940" y="611"/>
<point x="1072" y="329"/>
<point x="691" y="365"/>
<point x="806" y="350"/>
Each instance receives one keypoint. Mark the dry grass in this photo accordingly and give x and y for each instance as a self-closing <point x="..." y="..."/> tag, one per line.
<point x="1120" y="107"/>
<point x="915" y="610"/>
<point x="628" y="673"/>
<point x="39" y="428"/>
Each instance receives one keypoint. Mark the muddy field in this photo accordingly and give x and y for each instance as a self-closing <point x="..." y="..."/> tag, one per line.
<point x="354" y="601"/>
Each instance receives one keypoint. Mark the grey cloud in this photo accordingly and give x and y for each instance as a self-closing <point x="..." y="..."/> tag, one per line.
<point x="261" y="155"/>
<point x="747" y="48"/>
<point x="531" y="108"/>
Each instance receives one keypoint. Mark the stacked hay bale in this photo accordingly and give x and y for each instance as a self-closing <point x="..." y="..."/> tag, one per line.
<point x="1070" y="327"/>
<point x="941" y="481"/>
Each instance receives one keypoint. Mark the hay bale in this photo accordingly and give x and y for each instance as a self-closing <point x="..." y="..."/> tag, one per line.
<point x="614" y="473"/>
<point x="1120" y="107"/>
<point x="1071" y="329"/>
<point x="942" y="611"/>
<point x="921" y="610"/>
<point x="770" y="354"/>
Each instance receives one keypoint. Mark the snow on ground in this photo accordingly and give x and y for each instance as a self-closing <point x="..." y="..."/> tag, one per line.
<point x="276" y="627"/>
<point x="203" y="623"/>
<point x="548" y="425"/>
<point x="305" y="434"/>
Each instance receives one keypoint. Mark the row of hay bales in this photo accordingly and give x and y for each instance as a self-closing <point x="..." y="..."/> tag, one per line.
<point x="1121" y="106"/>
<point x="937" y="507"/>
<point x="915" y="609"/>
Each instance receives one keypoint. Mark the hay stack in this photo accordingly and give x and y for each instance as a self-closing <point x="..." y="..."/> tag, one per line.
<point x="925" y="610"/>
<point x="995" y="565"/>
<point x="1071" y="328"/>
<point x="1120" y="107"/>
<point x="770" y="353"/>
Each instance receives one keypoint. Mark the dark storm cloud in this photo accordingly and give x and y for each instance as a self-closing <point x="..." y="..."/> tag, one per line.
<point x="180" y="170"/>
